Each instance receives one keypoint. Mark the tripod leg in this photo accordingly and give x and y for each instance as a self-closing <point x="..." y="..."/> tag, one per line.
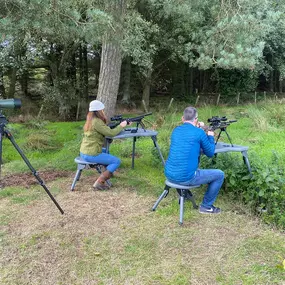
<point x="229" y="137"/>
<point x="218" y="136"/>
<point x="41" y="182"/>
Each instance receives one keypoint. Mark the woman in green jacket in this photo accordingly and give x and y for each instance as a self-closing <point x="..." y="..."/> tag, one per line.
<point x="95" y="131"/>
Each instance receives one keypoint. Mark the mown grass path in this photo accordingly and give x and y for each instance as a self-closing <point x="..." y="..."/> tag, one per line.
<point x="114" y="238"/>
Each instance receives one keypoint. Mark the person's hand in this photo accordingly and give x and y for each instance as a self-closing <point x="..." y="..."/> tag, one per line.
<point x="123" y="124"/>
<point x="211" y="133"/>
<point x="200" y="124"/>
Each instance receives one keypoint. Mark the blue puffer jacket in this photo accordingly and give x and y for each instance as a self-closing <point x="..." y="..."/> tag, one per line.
<point x="183" y="158"/>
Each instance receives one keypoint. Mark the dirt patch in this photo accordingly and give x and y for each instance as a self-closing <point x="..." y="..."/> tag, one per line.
<point x="28" y="179"/>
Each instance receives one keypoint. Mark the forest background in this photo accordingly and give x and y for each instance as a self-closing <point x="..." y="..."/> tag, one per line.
<point x="58" y="55"/>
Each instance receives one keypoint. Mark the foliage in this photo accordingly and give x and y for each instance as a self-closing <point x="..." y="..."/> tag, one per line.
<point x="230" y="82"/>
<point x="118" y="238"/>
<point x="263" y="192"/>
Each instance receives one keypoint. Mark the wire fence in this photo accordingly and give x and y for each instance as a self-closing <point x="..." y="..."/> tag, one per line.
<point x="236" y="99"/>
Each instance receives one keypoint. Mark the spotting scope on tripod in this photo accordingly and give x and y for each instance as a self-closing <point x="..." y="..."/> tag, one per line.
<point x="4" y="132"/>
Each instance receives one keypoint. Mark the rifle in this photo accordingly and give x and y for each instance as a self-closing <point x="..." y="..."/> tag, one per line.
<point x="117" y="119"/>
<point x="220" y="123"/>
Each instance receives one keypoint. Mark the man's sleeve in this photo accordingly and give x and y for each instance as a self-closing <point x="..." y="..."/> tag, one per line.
<point x="105" y="130"/>
<point x="208" y="144"/>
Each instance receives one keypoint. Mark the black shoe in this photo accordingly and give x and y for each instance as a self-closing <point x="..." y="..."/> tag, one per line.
<point x="209" y="210"/>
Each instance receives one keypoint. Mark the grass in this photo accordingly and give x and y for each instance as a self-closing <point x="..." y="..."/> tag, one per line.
<point x="113" y="237"/>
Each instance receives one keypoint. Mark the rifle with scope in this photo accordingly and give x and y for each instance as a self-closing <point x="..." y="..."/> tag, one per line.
<point x="117" y="119"/>
<point x="219" y="123"/>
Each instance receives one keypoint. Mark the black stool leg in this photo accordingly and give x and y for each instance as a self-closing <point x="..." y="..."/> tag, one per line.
<point x="163" y="195"/>
<point x="191" y="198"/>
<point x="188" y="196"/>
<point x="80" y="167"/>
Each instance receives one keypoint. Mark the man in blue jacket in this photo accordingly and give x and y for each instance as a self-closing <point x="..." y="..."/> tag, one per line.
<point x="182" y="163"/>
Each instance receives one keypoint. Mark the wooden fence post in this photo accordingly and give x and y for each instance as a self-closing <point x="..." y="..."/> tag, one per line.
<point x="170" y="103"/>
<point x="197" y="100"/>
<point x="144" y="106"/>
<point x="255" y="97"/>
<point x="40" y="111"/>
<point x="238" y="98"/>
<point x="264" y="94"/>
<point x="78" y="110"/>
<point x="218" y="99"/>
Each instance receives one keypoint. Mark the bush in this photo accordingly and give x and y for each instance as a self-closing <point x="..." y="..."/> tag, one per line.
<point x="263" y="192"/>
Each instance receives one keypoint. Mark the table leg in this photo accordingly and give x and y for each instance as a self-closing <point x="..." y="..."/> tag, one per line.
<point x="246" y="161"/>
<point x="158" y="149"/>
<point x="134" y="150"/>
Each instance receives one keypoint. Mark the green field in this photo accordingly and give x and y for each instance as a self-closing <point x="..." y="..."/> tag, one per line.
<point x="113" y="237"/>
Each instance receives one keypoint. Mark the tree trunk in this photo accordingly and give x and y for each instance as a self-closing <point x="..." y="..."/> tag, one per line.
<point x="71" y="70"/>
<point x="83" y="67"/>
<point x="280" y="89"/>
<point x="12" y="86"/>
<point x="271" y="78"/>
<point x="80" y="67"/>
<point x="191" y="83"/>
<point x="2" y="87"/>
<point x="85" y="71"/>
<point x="109" y="78"/>
<point x="178" y="82"/>
<point x="126" y="81"/>
<point x="146" y="88"/>
<point x="24" y="82"/>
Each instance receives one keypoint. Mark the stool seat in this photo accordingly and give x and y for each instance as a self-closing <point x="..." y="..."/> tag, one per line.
<point x="80" y="160"/>
<point x="179" y="186"/>
<point x="83" y="164"/>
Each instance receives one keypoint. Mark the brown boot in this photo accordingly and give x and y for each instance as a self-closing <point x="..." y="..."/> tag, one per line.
<point x="100" y="183"/>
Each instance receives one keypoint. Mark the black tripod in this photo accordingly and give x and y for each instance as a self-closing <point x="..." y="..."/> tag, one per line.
<point x="7" y="134"/>
<point x="224" y="129"/>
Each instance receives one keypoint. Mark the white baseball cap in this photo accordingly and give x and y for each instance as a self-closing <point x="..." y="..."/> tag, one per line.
<point x="96" y="105"/>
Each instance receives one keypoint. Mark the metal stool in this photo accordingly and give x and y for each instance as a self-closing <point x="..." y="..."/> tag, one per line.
<point x="184" y="192"/>
<point x="82" y="164"/>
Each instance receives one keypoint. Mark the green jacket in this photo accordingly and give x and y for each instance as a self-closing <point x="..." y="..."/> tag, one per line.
<point x="93" y="140"/>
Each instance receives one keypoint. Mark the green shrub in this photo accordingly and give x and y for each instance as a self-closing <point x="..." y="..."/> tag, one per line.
<point x="263" y="192"/>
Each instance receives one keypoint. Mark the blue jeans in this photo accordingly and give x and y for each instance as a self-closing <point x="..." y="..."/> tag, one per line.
<point x="111" y="161"/>
<point x="214" y="178"/>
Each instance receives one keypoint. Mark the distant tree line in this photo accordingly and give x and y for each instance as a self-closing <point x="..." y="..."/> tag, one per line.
<point x="62" y="53"/>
